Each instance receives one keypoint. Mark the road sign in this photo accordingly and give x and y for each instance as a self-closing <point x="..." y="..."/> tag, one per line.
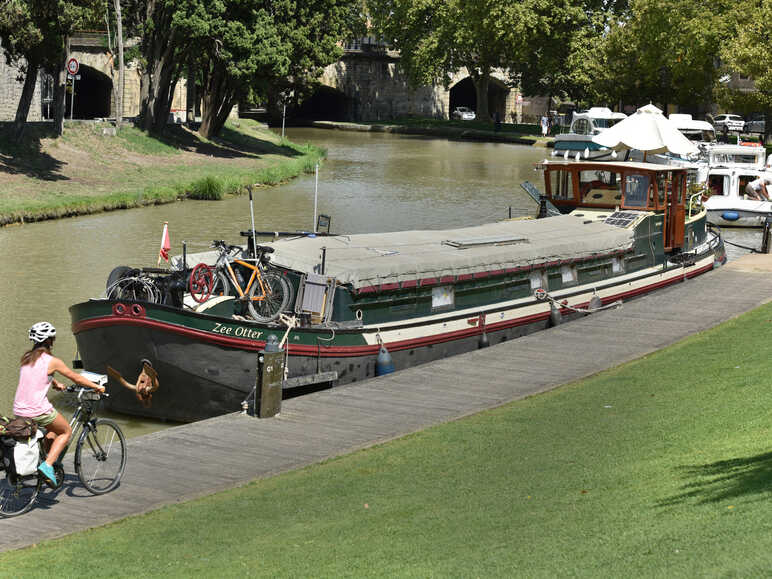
<point x="73" y="66"/>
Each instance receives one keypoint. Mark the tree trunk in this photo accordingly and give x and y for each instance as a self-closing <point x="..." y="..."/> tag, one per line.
<point x="190" y="94"/>
<point x="60" y="90"/>
<point x="22" y="110"/>
<point x="481" y="81"/>
<point x="158" y="79"/>
<point x="119" y="90"/>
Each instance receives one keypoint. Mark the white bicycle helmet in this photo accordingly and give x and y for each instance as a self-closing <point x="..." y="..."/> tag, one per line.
<point x="41" y="331"/>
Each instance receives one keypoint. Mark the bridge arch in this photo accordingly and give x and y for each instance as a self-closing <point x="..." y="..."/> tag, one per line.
<point x="463" y="93"/>
<point x="327" y="104"/>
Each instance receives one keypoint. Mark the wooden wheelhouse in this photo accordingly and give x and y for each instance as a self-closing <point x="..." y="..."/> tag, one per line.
<point x="623" y="186"/>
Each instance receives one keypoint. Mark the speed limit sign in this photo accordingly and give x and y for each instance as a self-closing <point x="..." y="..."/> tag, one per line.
<point x="73" y="66"/>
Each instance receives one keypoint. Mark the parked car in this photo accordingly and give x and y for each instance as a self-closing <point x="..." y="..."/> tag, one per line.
<point x="464" y="114"/>
<point x="754" y="125"/>
<point x="732" y="122"/>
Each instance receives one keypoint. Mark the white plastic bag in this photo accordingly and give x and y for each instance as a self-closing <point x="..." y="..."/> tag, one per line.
<point x="26" y="454"/>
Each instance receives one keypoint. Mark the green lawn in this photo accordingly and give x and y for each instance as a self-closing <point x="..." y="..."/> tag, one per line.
<point x="659" y="468"/>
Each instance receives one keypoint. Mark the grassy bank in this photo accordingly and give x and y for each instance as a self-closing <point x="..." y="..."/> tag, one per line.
<point x="87" y="171"/>
<point x="661" y="467"/>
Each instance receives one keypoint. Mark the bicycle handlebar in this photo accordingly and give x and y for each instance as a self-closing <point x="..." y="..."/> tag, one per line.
<point x="81" y="390"/>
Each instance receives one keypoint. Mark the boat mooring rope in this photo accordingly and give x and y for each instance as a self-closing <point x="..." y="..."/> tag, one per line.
<point x="542" y="295"/>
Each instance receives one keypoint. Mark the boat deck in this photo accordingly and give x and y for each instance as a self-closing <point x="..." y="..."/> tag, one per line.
<point x="197" y="459"/>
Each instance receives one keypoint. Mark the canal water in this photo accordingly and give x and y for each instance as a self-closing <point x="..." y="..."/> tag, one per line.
<point x="369" y="183"/>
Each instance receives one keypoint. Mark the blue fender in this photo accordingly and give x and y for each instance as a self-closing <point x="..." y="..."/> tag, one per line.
<point x="730" y="215"/>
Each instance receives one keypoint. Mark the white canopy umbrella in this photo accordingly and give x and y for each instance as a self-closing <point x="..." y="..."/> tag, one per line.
<point x="646" y="130"/>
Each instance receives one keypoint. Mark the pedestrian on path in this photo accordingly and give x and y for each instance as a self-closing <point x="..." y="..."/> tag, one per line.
<point x="545" y="125"/>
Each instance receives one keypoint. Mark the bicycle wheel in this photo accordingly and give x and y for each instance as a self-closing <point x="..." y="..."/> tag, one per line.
<point x="278" y="294"/>
<point x="18" y="496"/>
<point x="100" y="455"/>
<point x="221" y="285"/>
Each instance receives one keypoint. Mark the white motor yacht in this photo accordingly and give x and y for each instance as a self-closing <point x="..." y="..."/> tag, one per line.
<point x="584" y="125"/>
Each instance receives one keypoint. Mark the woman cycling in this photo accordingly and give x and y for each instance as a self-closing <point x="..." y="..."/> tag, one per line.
<point x="31" y="401"/>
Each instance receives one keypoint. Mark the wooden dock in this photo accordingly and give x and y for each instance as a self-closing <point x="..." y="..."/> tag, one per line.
<point x="197" y="459"/>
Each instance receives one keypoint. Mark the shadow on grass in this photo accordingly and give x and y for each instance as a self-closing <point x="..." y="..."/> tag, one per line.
<point x="725" y="479"/>
<point x="26" y="156"/>
<point x="230" y="144"/>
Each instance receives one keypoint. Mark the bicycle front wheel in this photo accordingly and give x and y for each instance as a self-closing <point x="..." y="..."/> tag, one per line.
<point x="100" y="455"/>
<point x="278" y="294"/>
<point x="17" y="497"/>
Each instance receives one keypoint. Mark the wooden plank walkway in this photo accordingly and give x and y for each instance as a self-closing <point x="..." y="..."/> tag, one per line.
<point x="193" y="460"/>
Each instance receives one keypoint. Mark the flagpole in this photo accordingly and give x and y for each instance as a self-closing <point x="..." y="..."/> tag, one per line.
<point x="163" y="238"/>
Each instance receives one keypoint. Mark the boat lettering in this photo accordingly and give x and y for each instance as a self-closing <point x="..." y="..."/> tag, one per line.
<point x="239" y="331"/>
<point x="248" y="333"/>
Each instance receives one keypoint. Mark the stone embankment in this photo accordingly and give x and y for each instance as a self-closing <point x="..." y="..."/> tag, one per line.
<point x="445" y="132"/>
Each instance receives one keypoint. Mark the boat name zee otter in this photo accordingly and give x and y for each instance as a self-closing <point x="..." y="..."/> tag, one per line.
<point x="237" y="331"/>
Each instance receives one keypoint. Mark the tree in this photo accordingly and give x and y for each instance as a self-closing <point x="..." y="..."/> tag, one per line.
<point x="551" y="67"/>
<point x="662" y="51"/>
<point x="746" y="52"/>
<point x="238" y="47"/>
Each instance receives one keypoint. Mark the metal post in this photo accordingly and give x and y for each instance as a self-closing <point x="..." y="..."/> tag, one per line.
<point x="270" y="378"/>
<point x="324" y="258"/>
<point x="72" y="98"/>
<point x="283" y="115"/>
<point x="316" y="192"/>
<point x="765" y="235"/>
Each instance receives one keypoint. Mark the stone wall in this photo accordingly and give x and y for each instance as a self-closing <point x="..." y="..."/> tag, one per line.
<point x="10" y="93"/>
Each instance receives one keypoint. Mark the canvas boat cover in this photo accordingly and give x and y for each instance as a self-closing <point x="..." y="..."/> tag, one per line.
<point x="380" y="258"/>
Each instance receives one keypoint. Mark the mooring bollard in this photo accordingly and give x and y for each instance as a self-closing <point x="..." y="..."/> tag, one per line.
<point x="767" y="231"/>
<point x="270" y="375"/>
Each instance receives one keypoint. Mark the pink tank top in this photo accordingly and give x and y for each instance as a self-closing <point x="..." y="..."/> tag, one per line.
<point x="34" y="381"/>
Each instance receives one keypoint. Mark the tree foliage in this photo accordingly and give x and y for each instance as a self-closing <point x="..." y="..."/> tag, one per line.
<point x="747" y="53"/>
<point x="237" y="48"/>
<point x="661" y="51"/>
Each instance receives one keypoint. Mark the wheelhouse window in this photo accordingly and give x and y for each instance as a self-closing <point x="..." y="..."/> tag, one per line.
<point x="637" y="190"/>
<point x="560" y="185"/>
<point x="582" y="127"/>
<point x="600" y="187"/>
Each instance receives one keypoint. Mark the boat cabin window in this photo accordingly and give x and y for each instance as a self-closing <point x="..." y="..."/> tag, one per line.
<point x="582" y="127"/>
<point x="742" y="181"/>
<point x="600" y="187"/>
<point x="717" y="184"/>
<point x="661" y="187"/>
<point x="637" y="190"/>
<point x="561" y="187"/>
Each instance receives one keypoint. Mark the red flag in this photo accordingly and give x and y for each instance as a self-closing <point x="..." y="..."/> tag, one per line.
<point x="165" y="244"/>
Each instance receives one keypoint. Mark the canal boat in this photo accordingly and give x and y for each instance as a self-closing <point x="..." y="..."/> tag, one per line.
<point x="368" y="303"/>
<point x="584" y="125"/>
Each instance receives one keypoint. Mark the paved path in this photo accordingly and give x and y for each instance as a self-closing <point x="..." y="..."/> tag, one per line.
<point x="197" y="459"/>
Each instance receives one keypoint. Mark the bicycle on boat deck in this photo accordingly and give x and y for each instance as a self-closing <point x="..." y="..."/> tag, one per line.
<point x="100" y="455"/>
<point x="266" y="293"/>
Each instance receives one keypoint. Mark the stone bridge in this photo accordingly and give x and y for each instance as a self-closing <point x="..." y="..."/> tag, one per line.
<point x="366" y="84"/>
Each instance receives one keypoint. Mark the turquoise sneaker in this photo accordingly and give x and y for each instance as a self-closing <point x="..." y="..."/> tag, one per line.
<point x="48" y="471"/>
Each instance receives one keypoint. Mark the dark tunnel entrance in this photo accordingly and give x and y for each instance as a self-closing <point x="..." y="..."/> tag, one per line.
<point x="93" y="94"/>
<point x="326" y="104"/>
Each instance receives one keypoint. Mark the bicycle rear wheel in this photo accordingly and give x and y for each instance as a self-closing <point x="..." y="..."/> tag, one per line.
<point x="100" y="455"/>
<point x="278" y="294"/>
<point x="18" y="496"/>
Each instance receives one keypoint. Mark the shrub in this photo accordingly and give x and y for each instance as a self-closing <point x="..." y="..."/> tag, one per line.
<point x="208" y="189"/>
